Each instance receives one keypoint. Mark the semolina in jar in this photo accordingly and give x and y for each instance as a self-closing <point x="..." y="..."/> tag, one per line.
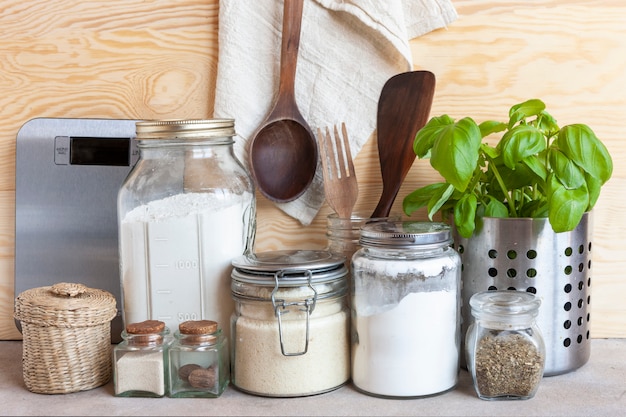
<point x="290" y="328"/>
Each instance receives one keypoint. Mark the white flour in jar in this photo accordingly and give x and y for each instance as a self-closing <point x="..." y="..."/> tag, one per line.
<point x="176" y="257"/>
<point x="410" y="349"/>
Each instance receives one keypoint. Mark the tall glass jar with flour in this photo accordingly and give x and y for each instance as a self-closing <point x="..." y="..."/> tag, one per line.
<point x="405" y="310"/>
<point x="185" y="211"/>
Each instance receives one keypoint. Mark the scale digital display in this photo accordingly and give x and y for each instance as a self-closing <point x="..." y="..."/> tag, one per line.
<point x="99" y="151"/>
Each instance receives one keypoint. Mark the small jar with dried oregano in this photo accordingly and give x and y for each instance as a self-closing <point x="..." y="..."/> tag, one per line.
<point x="504" y="347"/>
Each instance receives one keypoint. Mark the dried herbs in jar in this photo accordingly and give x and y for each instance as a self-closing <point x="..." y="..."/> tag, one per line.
<point x="504" y="347"/>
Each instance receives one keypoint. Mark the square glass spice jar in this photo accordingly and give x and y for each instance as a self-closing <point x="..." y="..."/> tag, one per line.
<point x="198" y="360"/>
<point x="504" y="347"/>
<point x="140" y="360"/>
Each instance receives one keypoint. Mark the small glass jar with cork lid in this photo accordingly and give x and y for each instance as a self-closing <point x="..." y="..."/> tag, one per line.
<point x="505" y="351"/>
<point x="140" y="360"/>
<point x="198" y="360"/>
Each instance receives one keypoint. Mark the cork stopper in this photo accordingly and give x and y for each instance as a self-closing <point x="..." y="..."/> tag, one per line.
<point x="198" y="327"/>
<point x="146" y="327"/>
<point x="145" y="333"/>
<point x="196" y="332"/>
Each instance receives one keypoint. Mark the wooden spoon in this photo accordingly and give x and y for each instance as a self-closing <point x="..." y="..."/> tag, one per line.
<point x="283" y="152"/>
<point x="403" y="109"/>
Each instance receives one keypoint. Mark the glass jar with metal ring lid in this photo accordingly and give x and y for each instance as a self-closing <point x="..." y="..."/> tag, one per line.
<point x="185" y="211"/>
<point x="290" y="327"/>
<point x="405" y="297"/>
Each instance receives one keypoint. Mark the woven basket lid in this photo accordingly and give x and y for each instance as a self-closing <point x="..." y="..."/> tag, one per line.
<point x="65" y="305"/>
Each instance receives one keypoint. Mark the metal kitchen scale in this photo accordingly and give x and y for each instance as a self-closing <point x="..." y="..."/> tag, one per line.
<point x="67" y="175"/>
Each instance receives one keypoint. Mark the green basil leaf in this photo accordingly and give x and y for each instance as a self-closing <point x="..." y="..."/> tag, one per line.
<point x="438" y="199"/>
<point x="518" y="112"/>
<point x="491" y="126"/>
<point x="490" y="151"/>
<point x="420" y="197"/>
<point x="426" y="136"/>
<point x="520" y="142"/>
<point x="535" y="209"/>
<point x="455" y="152"/>
<point x="566" y="206"/>
<point x="536" y="165"/>
<point x="593" y="186"/>
<point x="547" y="124"/>
<point x="465" y="215"/>
<point x="566" y="171"/>
<point x="519" y="177"/>
<point x="496" y="208"/>
<point x="580" y="144"/>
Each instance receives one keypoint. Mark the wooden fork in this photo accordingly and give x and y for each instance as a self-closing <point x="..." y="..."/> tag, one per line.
<point x="340" y="183"/>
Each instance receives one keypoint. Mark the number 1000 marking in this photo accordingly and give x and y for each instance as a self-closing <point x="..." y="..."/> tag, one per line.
<point x="186" y="264"/>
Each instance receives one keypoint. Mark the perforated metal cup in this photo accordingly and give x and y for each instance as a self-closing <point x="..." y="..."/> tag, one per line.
<point x="527" y="255"/>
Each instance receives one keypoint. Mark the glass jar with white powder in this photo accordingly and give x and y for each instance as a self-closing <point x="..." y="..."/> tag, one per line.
<point x="140" y="360"/>
<point x="291" y="323"/>
<point x="405" y="310"/>
<point x="185" y="211"/>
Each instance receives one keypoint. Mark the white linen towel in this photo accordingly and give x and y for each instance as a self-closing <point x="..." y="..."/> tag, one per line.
<point x="348" y="49"/>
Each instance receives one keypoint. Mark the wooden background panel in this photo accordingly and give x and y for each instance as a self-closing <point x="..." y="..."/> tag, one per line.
<point x="112" y="59"/>
<point x="572" y="55"/>
<point x="136" y="59"/>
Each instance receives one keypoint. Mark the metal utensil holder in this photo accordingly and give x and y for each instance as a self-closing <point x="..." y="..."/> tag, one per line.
<point x="525" y="254"/>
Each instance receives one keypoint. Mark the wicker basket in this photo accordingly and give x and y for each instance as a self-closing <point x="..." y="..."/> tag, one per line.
<point x="66" y="331"/>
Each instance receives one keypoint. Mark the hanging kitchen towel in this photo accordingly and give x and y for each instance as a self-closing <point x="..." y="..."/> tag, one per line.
<point x="348" y="49"/>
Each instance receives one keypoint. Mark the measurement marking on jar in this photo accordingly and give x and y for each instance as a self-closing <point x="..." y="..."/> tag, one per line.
<point x="185" y="316"/>
<point x="186" y="264"/>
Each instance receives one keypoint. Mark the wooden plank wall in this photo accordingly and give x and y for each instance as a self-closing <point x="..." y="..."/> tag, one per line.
<point x="137" y="59"/>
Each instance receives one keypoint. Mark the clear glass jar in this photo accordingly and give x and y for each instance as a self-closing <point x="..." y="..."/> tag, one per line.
<point x="185" y="211"/>
<point x="343" y="233"/>
<point x="140" y="360"/>
<point x="405" y="310"/>
<point x="505" y="351"/>
<point x="198" y="361"/>
<point x="291" y="323"/>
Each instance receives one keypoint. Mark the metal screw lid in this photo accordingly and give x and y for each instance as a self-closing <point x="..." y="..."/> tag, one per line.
<point x="405" y="234"/>
<point x="185" y="129"/>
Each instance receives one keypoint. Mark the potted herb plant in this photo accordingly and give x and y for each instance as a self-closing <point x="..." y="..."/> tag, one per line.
<point x="520" y="210"/>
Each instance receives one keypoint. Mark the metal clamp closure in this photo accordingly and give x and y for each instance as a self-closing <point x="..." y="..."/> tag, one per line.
<point x="280" y="308"/>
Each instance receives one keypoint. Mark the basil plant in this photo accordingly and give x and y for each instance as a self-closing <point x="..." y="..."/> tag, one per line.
<point x="536" y="169"/>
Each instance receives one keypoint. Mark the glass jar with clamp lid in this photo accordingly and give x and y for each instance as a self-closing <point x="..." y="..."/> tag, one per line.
<point x="291" y="323"/>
